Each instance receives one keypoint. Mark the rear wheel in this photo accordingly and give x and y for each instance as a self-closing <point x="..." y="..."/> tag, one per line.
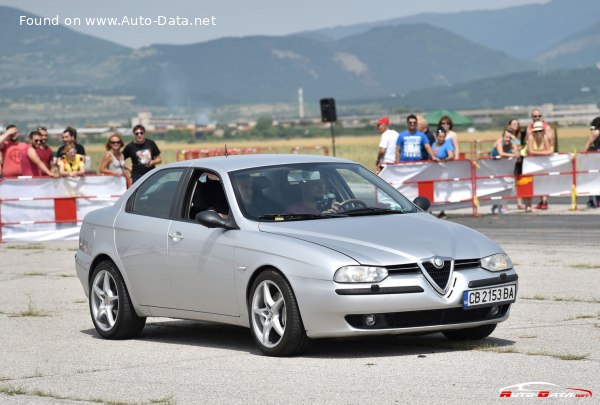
<point x="110" y="306"/>
<point x="275" y="319"/>
<point x="476" y="333"/>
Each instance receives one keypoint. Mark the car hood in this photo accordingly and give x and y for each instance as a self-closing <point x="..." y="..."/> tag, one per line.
<point x="389" y="239"/>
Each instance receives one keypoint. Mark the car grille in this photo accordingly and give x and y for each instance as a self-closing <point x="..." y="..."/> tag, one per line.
<point x="467" y="264"/>
<point x="439" y="276"/>
<point x="403" y="268"/>
<point x="412" y="319"/>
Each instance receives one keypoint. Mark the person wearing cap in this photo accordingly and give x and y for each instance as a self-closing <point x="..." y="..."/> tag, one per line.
<point x="387" y="144"/>
<point x="593" y="145"/>
<point x="536" y="116"/>
<point x="12" y="152"/>
<point x="538" y="145"/>
<point x="408" y="145"/>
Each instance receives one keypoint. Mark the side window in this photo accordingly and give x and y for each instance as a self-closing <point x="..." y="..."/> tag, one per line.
<point x="206" y="193"/>
<point x="156" y="195"/>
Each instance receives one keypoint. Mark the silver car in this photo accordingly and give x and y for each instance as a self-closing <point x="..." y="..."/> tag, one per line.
<point x="294" y="247"/>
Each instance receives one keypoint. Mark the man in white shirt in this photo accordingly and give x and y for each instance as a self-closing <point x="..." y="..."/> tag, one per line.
<point x="387" y="145"/>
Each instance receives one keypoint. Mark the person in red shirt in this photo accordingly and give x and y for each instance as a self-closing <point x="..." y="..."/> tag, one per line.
<point x="12" y="152"/>
<point x="33" y="163"/>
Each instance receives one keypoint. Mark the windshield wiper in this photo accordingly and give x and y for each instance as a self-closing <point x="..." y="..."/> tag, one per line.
<point x="372" y="211"/>
<point x="290" y="217"/>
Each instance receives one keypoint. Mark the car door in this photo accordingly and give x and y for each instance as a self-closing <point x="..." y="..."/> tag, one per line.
<point x="201" y="259"/>
<point x="141" y="238"/>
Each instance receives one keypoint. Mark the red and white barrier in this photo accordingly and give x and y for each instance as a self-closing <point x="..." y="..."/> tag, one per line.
<point x="34" y="209"/>
<point x="456" y="184"/>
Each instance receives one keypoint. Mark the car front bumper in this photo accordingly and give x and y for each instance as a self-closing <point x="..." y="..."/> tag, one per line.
<point x="400" y="304"/>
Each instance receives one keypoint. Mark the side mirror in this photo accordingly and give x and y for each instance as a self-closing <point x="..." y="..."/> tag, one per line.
<point x="211" y="219"/>
<point x="422" y="202"/>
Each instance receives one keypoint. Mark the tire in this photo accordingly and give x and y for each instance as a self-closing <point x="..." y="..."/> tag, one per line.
<point x="275" y="321"/>
<point x="110" y="306"/>
<point x="479" y="332"/>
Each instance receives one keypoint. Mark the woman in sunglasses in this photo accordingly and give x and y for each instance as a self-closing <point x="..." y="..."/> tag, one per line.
<point x="113" y="163"/>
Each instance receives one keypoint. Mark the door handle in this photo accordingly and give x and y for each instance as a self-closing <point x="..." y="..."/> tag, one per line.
<point x="176" y="236"/>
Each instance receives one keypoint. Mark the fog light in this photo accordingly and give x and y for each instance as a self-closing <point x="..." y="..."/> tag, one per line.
<point x="494" y="310"/>
<point x="370" y="320"/>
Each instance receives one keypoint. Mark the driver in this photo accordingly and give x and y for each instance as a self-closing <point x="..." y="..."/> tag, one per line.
<point x="312" y="192"/>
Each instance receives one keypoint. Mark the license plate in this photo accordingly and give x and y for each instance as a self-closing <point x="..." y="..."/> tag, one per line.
<point x="491" y="295"/>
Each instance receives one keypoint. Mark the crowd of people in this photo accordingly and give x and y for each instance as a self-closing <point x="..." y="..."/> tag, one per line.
<point x="36" y="158"/>
<point x="418" y="143"/>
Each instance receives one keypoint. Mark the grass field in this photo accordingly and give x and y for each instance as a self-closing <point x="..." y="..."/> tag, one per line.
<point x="362" y="149"/>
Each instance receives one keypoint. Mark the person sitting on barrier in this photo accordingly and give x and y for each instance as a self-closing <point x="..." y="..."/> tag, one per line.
<point x="71" y="164"/>
<point x="593" y="145"/>
<point x="538" y="145"/>
<point x="408" y="145"/>
<point x="37" y="162"/>
<point x="443" y="149"/>
<point x="113" y="162"/>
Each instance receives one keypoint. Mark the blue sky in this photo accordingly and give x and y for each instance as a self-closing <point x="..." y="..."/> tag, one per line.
<point x="238" y="18"/>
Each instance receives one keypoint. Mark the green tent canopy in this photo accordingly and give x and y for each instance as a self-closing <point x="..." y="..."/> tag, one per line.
<point x="433" y="118"/>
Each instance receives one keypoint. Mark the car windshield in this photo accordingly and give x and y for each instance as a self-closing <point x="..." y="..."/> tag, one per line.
<point x="310" y="191"/>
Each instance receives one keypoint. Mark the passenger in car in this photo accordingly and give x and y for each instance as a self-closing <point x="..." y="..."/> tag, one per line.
<point x="252" y="199"/>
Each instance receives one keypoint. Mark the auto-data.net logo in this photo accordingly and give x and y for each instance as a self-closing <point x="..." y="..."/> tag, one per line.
<point x="542" y="390"/>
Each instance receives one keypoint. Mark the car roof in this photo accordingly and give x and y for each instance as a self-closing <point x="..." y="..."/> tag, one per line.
<point x="240" y="162"/>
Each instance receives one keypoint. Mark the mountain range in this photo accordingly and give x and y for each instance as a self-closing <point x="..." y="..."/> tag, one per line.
<point x="465" y="59"/>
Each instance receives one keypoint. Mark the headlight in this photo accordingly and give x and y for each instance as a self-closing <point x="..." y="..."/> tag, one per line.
<point x="497" y="262"/>
<point x="360" y="274"/>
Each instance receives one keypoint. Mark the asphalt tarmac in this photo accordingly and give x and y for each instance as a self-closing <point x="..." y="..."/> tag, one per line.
<point x="51" y="354"/>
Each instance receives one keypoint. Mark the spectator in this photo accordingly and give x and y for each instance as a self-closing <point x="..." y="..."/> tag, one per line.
<point x="69" y="135"/>
<point x="37" y="162"/>
<point x="505" y="147"/>
<point x="408" y="145"/>
<point x="13" y="151"/>
<point x="536" y="116"/>
<point x="520" y="135"/>
<point x="144" y="153"/>
<point x="71" y="164"/>
<point x="443" y="149"/>
<point x="113" y="162"/>
<point x="514" y="127"/>
<point x="446" y="123"/>
<point x="44" y="151"/>
<point x="423" y="126"/>
<point x="593" y="145"/>
<point x="387" y="144"/>
<point x="538" y="145"/>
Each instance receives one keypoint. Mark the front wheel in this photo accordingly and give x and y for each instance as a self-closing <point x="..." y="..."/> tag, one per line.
<point x="275" y="319"/>
<point x="479" y="332"/>
<point x="110" y="306"/>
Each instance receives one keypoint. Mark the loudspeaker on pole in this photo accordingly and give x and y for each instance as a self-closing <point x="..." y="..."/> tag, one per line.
<point x="328" y="113"/>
